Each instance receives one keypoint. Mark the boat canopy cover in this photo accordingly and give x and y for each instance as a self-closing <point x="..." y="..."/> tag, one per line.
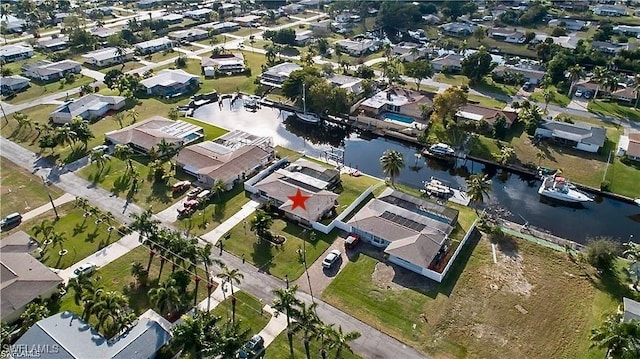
<point x="559" y="179"/>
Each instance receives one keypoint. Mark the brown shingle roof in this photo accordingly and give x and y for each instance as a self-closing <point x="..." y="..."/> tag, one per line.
<point x="490" y="114"/>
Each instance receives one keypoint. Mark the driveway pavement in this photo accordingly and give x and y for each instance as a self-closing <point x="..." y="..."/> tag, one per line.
<point x="226" y="226"/>
<point x="320" y="277"/>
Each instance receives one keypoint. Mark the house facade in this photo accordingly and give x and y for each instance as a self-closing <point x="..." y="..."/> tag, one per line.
<point x="457" y="29"/>
<point x="50" y="71"/>
<point x="396" y="100"/>
<point x="54" y="44"/>
<point x="409" y="51"/>
<point x="89" y="107"/>
<point x="108" y="56"/>
<point x="532" y="74"/>
<point x="581" y="136"/>
<point x="277" y="74"/>
<point x="477" y="113"/>
<point x="449" y="63"/>
<point x="146" y="135"/>
<point x="609" y="10"/>
<point x="506" y="35"/>
<point x="189" y="35"/>
<point x="171" y="83"/>
<point x="630" y="146"/>
<point x="232" y="63"/>
<point x="12" y="53"/>
<point x="153" y="46"/>
<point x="358" y="48"/>
<point x="12" y="84"/>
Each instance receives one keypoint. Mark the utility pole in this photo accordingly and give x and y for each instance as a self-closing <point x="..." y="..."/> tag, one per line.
<point x="44" y="183"/>
<point x="606" y="168"/>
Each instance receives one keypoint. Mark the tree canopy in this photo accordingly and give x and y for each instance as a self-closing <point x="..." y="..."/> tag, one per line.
<point x="478" y="65"/>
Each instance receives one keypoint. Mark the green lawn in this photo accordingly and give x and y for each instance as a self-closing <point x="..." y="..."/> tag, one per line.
<point x="486" y="101"/>
<point x="624" y="178"/>
<point x="614" y="109"/>
<point x="465" y="317"/>
<point x="83" y="236"/>
<point x="39" y="89"/>
<point x="455" y="80"/>
<point x="22" y="191"/>
<point x="352" y="187"/>
<point x="217" y="211"/>
<point x="210" y="131"/>
<point x="558" y="98"/>
<point x="161" y="56"/>
<point x="283" y="152"/>
<point x="278" y="261"/>
<point x="116" y="276"/>
<point x="248" y="312"/>
<point x="128" y="66"/>
<point x="279" y="349"/>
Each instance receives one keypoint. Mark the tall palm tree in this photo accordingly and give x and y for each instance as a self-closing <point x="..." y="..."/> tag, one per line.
<point x="34" y="313"/>
<point x="191" y="335"/>
<point x="599" y="74"/>
<point x="109" y="307"/>
<point x="261" y="223"/>
<point x="540" y="156"/>
<point x="90" y="299"/>
<point x="139" y="273"/>
<point x="324" y="333"/>
<point x="548" y="96"/>
<point x="133" y="115"/>
<point x="65" y="136"/>
<point x="218" y="187"/>
<point x="203" y="255"/>
<point x="610" y="83"/>
<point x="622" y="340"/>
<point x="58" y="238"/>
<point x="99" y="158"/>
<point x="341" y="341"/>
<point x="119" y="117"/>
<point x="392" y="162"/>
<point x="575" y="72"/>
<point x="81" y="202"/>
<point x="166" y="298"/>
<point x="233" y="277"/>
<point x="478" y="187"/>
<point x="145" y="224"/>
<point x="285" y="301"/>
<point x="306" y="321"/>
<point x="45" y="228"/>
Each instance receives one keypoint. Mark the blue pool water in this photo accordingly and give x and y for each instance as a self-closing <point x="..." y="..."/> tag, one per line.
<point x="192" y="136"/>
<point x="399" y="118"/>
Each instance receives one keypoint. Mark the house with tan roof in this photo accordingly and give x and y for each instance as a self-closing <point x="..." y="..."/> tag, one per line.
<point x="396" y="100"/>
<point x="414" y="233"/>
<point x="232" y="158"/>
<point x="630" y="146"/>
<point x="23" y="278"/>
<point x="170" y="83"/>
<point x="312" y="179"/>
<point x="146" y="135"/>
<point x="473" y="112"/>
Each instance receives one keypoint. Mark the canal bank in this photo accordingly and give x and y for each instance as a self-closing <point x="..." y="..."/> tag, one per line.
<point x="514" y="196"/>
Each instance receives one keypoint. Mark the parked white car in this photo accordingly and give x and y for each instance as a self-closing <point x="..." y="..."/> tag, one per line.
<point x="83" y="269"/>
<point x="331" y="258"/>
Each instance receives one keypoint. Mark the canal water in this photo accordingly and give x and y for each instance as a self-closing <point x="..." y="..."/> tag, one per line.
<point x="513" y="197"/>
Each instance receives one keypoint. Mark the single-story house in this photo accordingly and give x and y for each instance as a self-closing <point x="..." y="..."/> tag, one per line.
<point x="153" y="46"/>
<point x="569" y="24"/>
<point x="292" y="9"/>
<point x="588" y="85"/>
<point x="107" y="57"/>
<point x="54" y="44"/>
<point x="358" y="48"/>
<point x="89" y="107"/>
<point x="173" y="19"/>
<point x="581" y="136"/>
<point x="247" y="20"/>
<point x="630" y="146"/>
<point x="145" y="135"/>
<point x="24" y="278"/>
<point x="103" y="33"/>
<point x="12" y="23"/>
<point x="312" y="180"/>
<point x="11" y="53"/>
<point x="627" y="30"/>
<point x="457" y="29"/>
<point x="50" y="71"/>
<point x="66" y="336"/>
<point x="321" y="28"/>
<point x="146" y="4"/>
<point x="224" y="63"/>
<point x="531" y="73"/>
<point x="409" y="51"/>
<point x="630" y="310"/>
<point x="609" y="10"/>
<point x="431" y="19"/>
<point x="625" y="94"/>
<point x="13" y="84"/>
<point x="396" y="100"/>
<point x="170" y="83"/>
<point x="472" y="112"/>
<point x="220" y="27"/>
<point x="231" y="158"/>
<point x="350" y="83"/>
<point x="198" y="14"/>
<point x="229" y="9"/>
<point x="608" y="47"/>
<point x="414" y="233"/>
<point x="504" y="34"/>
<point x="277" y="74"/>
<point x="312" y="4"/>
<point x="189" y="35"/>
<point x="60" y="17"/>
<point x="448" y="63"/>
<point x="303" y="36"/>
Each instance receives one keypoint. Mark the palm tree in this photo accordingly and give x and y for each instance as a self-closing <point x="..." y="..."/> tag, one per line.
<point x="81" y="203"/>
<point x="392" y="162"/>
<point x="622" y="340"/>
<point x="261" y="223"/>
<point x="324" y="332"/>
<point x="306" y="321"/>
<point x="120" y="53"/>
<point x="610" y="83"/>
<point x="133" y="115"/>
<point x="139" y="273"/>
<point x="575" y="72"/>
<point x="285" y="301"/>
<point x="218" y="187"/>
<point x="540" y="156"/>
<point x="341" y="341"/>
<point x="34" y="313"/>
<point x="108" y="308"/>
<point x="119" y="117"/>
<point x="478" y="187"/>
<point x="203" y="255"/>
<point x="631" y="251"/>
<point x="166" y="298"/>
<point x="233" y="277"/>
<point x="99" y="158"/>
<point x="145" y="224"/>
<point x="599" y="74"/>
<point x="548" y="96"/>
<point x="124" y="152"/>
<point x="58" y="238"/>
<point x="45" y="228"/>
<point x="191" y="335"/>
<point x="65" y="136"/>
<point x="506" y="155"/>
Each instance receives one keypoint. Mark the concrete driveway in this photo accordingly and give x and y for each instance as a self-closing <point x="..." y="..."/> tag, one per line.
<point x="320" y="277"/>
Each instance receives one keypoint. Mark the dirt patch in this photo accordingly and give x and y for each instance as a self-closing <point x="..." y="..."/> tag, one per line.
<point x="383" y="276"/>
<point x="488" y="333"/>
<point x="508" y="274"/>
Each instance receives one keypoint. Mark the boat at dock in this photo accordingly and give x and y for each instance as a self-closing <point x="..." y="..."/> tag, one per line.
<point x="435" y="187"/>
<point x="304" y="116"/>
<point x="557" y="187"/>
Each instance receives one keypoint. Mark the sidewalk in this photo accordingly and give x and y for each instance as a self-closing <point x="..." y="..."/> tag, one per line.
<point x="226" y="226"/>
<point x="276" y="325"/>
<point x="65" y="198"/>
<point x="106" y="255"/>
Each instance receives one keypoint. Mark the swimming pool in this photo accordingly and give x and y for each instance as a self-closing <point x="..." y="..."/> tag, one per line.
<point x="399" y="118"/>
<point x="192" y="137"/>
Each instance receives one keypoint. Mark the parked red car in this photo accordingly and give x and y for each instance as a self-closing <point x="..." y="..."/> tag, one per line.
<point x="351" y="241"/>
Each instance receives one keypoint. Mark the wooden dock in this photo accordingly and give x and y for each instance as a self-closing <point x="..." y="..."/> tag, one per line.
<point x="459" y="197"/>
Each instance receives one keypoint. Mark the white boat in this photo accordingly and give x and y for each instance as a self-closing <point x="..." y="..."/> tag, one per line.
<point x="441" y="149"/>
<point x="304" y="116"/>
<point x="637" y="201"/>
<point x="435" y="187"/>
<point x="554" y="186"/>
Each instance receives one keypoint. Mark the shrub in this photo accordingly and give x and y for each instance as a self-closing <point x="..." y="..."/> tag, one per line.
<point x="604" y="185"/>
<point x="601" y="253"/>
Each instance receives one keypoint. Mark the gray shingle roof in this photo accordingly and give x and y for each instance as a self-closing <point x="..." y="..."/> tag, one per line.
<point x="168" y="78"/>
<point x="631" y="310"/>
<point x="13" y="80"/>
<point x="579" y="132"/>
<point x="87" y="103"/>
